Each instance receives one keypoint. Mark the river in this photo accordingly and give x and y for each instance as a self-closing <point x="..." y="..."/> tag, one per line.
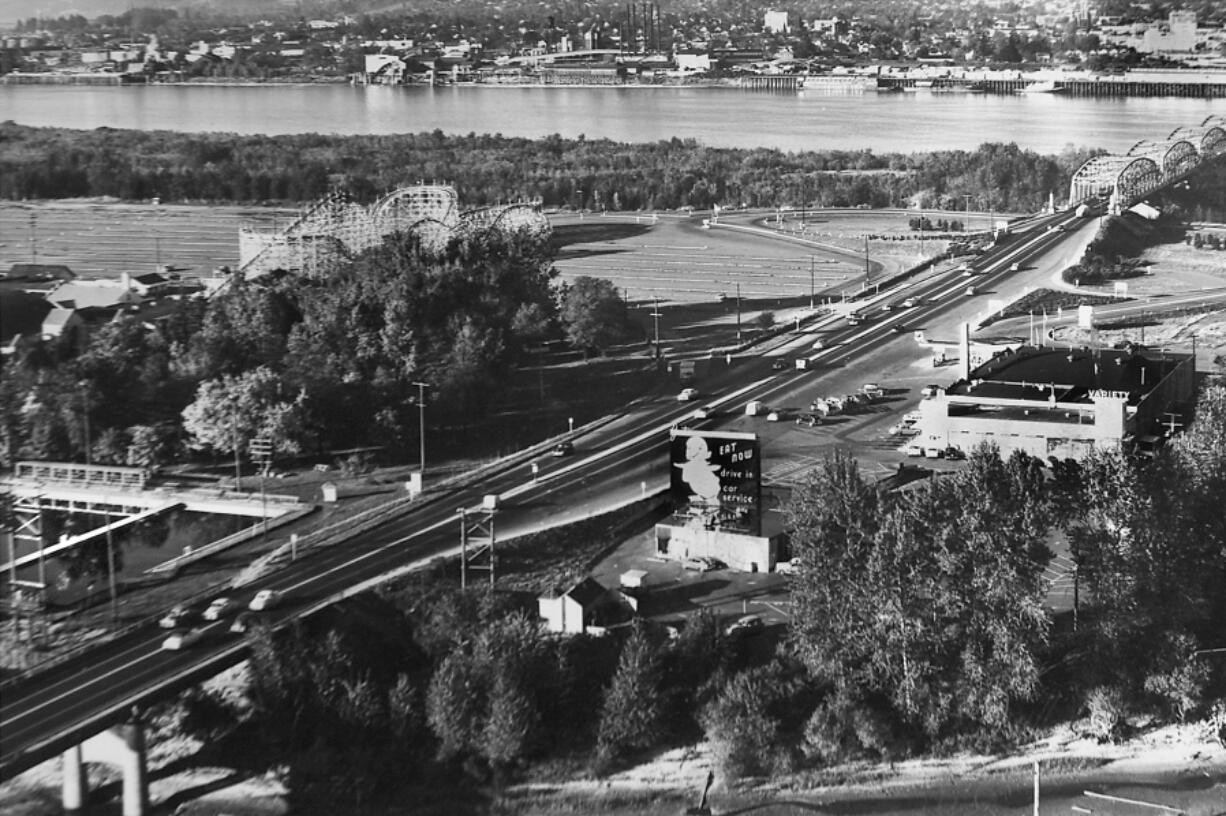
<point x="717" y="117"/>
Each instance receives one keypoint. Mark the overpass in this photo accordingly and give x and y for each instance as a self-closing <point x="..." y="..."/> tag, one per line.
<point x="1148" y="166"/>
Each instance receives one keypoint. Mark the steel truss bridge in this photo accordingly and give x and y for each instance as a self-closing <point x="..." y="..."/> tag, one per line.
<point x="1148" y="166"/>
<point x="336" y="228"/>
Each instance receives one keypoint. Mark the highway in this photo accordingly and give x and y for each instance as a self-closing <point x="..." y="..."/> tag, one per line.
<point x="74" y="700"/>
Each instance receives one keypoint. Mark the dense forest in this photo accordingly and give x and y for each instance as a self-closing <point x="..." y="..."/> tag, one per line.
<point x="570" y="173"/>
<point x="919" y="628"/>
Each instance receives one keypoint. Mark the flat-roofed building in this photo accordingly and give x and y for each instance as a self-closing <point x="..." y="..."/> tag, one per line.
<point x="1061" y="402"/>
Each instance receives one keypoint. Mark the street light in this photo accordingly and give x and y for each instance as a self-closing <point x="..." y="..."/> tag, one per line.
<point x="84" y="386"/>
<point x="655" y="318"/>
<point x="421" y="424"/>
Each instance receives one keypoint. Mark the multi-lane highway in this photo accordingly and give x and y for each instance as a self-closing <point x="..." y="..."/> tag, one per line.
<point x="75" y="699"/>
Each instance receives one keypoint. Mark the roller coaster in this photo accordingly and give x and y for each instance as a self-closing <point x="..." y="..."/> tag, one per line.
<point x="334" y="229"/>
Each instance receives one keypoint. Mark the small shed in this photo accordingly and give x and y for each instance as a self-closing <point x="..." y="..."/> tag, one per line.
<point x="575" y="609"/>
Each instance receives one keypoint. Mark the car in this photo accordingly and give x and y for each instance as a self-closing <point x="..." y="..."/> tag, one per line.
<point x="966" y="271"/>
<point x="704" y="412"/>
<point x="264" y="599"/>
<point x="778" y="365"/>
<point x="700" y="564"/>
<point x="755" y="408"/>
<point x="1015" y="267"/>
<point x="970" y="291"/>
<point x="773" y="416"/>
<point x="930" y="390"/>
<point x="563" y="449"/>
<point x="745" y="625"/>
<point x="934" y="453"/>
<point x="182" y="639"/>
<point x="242" y="622"/>
<point x="687" y="394"/>
<point x="785" y="567"/>
<point x="955" y="454"/>
<point x="872" y="390"/>
<point x="812" y="420"/>
<point x="217" y="608"/>
<point x="854" y="320"/>
<point x="175" y="618"/>
<point x="913" y="450"/>
<point x="818" y="345"/>
<point x="910" y="303"/>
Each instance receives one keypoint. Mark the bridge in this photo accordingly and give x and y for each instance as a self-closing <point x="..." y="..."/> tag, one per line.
<point x="1148" y="166"/>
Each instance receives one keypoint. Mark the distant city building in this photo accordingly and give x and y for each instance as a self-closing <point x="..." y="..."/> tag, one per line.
<point x="776" y="22"/>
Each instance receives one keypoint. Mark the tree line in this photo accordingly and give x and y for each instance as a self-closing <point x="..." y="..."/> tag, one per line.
<point x="919" y="626"/>
<point x="593" y="174"/>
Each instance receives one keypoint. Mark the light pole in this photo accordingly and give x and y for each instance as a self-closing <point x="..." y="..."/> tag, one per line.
<point x="655" y="318"/>
<point x="810" y="283"/>
<point x="738" y="312"/>
<point x="421" y="424"/>
<point x="84" y="386"/>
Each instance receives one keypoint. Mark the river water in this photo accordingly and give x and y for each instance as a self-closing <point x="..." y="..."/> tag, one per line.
<point x="718" y="117"/>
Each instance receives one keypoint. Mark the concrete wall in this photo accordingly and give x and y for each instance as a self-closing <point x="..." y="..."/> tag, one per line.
<point x="740" y="552"/>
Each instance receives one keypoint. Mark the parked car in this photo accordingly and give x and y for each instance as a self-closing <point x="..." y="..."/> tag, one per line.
<point x="182" y="640"/>
<point x="687" y="394"/>
<point x="872" y="390"/>
<point x="563" y="449"/>
<point x="812" y="420"/>
<point x="954" y="453"/>
<point x="930" y="390"/>
<point x="702" y="564"/>
<point x="745" y="625"/>
<point x="176" y="617"/>
<point x="264" y="599"/>
<point x="774" y="416"/>
<point x="913" y="450"/>
<point x="217" y="608"/>
<point x="785" y="567"/>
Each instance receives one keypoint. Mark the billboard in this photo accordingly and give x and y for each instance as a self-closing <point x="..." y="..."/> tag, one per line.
<point x="716" y="479"/>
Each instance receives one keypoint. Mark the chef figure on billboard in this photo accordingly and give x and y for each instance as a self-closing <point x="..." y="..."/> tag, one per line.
<point x="698" y="472"/>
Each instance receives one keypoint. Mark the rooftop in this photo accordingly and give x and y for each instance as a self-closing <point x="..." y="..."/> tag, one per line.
<point x="1069" y="375"/>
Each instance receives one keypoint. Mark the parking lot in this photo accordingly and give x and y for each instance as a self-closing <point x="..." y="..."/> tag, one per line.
<point x="673" y="593"/>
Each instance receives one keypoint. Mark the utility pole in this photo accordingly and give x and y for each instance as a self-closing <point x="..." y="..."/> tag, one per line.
<point x="110" y="564"/>
<point x="84" y="386"/>
<point x="655" y="317"/>
<point x="738" y="312"/>
<point x="811" y="291"/>
<point x="967" y="196"/>
<point x="866" y="267"/>
<point x="421" y="425"/>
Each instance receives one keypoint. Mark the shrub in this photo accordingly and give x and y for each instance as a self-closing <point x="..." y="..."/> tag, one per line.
<point x="1107" y="714"/>
<point x="1178" y="678"/>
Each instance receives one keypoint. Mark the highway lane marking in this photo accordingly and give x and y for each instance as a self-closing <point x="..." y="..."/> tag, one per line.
<point x="127" y="666"/>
